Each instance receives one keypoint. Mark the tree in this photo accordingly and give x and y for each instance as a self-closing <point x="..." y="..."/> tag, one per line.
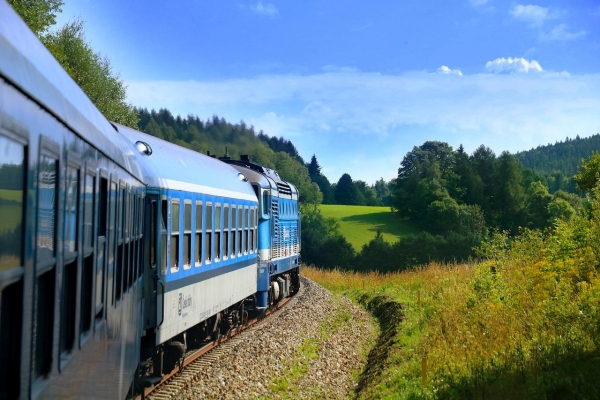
<point x="588" y="173"/>
<point x="39" y="15"/>
<point x="314" y="169"/>
<point x="368" y="197"/>
<point x="92" y="72"/>
<point x="509" y="196"/>
<point x="382" y="192"/>
<point x="538" y="200"/>
<point x="346" y="192"/>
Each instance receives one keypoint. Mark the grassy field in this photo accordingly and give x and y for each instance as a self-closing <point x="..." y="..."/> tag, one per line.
<point x="523" y="324"/>
<point x="359" y="224"/>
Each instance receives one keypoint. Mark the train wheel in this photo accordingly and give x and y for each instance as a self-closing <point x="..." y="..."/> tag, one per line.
<point x="174" y="352"/>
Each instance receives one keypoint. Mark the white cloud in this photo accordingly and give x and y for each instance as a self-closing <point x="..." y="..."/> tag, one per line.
<point x="534" y="15"/>
<point x="447" y="71"/>
<point x="267" y="9"/>
<point x="513" y="65"/>
<point x="561" y="33"/>
<point x="374" y="117"/>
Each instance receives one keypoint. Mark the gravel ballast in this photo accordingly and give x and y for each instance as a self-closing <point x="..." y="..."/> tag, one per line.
<point x="313" y="348"/>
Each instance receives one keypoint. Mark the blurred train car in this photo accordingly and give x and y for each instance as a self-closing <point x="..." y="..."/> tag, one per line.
<point x="71" y="200"/>
<point x="279" y="231"/>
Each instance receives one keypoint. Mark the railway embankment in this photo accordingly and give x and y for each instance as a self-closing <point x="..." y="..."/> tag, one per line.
<point x="316" y="347"/>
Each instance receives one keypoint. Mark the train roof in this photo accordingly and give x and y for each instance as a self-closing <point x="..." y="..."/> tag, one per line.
<point x="28" y="65"/>
<point x="265" y="177"/>
<point x="169" y="166"/>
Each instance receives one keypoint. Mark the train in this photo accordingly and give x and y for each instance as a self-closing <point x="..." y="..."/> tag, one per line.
<point x="118" y="250"/>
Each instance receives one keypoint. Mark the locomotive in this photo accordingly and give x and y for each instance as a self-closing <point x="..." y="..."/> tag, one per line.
<point x="119" y="250"/>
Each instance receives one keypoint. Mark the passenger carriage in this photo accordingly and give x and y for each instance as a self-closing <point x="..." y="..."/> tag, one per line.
<point x="201" y="245"/>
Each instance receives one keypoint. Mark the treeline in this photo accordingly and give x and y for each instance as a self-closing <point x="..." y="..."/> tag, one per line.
<point x="558" y="162"/>
<point x="347" y="191"/>
<point x="457" y="200"/>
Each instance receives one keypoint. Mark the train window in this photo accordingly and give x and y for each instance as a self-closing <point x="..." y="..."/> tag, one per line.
<point x="87" y="272"/>
<point x="71" y="210"/>
<point x="218" y="227"/>
<point x="226" y="230"/>
<point x="48" y="177"/>
<point x="126" y="212"/>
<point x="232" y="235"/>
<point x="46" y="218"/>
<point x="134" y="243"/>
<point x="12" y="186"/>
<point x="125" y="247"/>
<point x="164" y="207"/>
<point x="12" y="196"/>
<point x="112" y="240"/>
<point x="88" y="213"/>
<point x="69" y="271"/>
<point x="256" y="229"/>
<point x="101" y="249"/>
<point x="246" y="230"/>
<point x="187" y="234"/>
<point x="121" y="259"/>
<point x="208" y="240"/>
<point x="174" y="250"/>
<point x="152" y="234"/>
<point x="252" y="228"/>
<point x="141" y="235"/>
<point x="240" y="226"/>
<point x="198" y="237"/>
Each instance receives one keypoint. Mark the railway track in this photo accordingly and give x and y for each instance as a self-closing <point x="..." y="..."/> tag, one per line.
<point x="195" y="361"/>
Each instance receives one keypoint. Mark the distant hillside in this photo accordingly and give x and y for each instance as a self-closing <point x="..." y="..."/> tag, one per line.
<point x="560" y="156"/>
<point x="558" y="162"/>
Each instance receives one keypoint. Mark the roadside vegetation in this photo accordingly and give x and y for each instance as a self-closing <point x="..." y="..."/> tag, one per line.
<point x="522" y="323"/>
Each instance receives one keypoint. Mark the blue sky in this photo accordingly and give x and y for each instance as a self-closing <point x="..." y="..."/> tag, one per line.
<point x="359" y="84"/>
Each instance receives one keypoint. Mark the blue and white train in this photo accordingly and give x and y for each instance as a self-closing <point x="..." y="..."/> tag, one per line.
<point x="119" y="250"/>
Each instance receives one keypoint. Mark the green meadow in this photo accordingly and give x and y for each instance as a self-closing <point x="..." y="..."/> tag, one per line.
<point x="359" y="224"/>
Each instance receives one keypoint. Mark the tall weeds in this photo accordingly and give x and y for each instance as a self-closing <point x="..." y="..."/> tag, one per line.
<point x="523" y="323"/>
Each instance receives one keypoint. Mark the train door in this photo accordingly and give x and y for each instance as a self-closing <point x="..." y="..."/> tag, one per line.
<point x="152" y="257"/>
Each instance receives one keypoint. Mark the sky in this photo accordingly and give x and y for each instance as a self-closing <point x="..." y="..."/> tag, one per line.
<point x="356" y="83"/>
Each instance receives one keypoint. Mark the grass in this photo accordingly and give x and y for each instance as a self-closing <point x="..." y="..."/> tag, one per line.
<point x="359" y="224"/>
<point x="520" y="328"/>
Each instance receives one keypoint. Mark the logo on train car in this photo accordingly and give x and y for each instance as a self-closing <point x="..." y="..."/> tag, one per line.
<point x="184" y="302"/>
